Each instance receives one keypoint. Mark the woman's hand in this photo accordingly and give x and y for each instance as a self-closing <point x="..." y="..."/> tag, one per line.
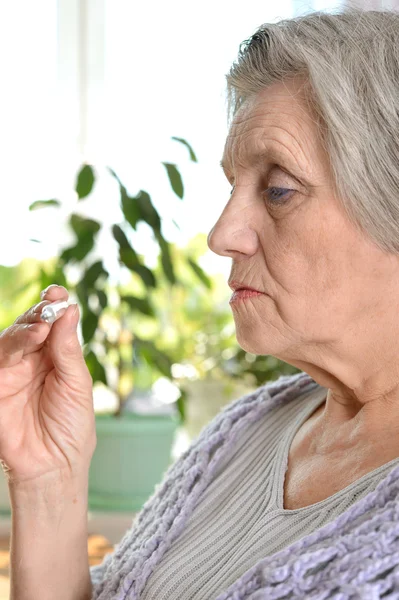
<point x="47" y="422"/>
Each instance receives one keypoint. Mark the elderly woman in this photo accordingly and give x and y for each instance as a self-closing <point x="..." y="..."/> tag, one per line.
<point x="291" y="492"/>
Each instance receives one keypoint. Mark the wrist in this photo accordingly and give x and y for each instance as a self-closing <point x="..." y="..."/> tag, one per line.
<point x="48" y="548"/>
<point x="51" y="492"/>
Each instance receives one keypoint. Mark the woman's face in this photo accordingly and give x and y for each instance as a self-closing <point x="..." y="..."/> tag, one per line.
<point x="289" y="237"/>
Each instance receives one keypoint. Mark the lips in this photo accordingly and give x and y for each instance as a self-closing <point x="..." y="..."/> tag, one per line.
<point x="236" y="286"/>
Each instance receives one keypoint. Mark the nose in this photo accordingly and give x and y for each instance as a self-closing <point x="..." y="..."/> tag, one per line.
<point x="232" y="235"/>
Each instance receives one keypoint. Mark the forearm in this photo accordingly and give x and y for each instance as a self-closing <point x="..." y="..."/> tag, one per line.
<point x="48" y="553"/>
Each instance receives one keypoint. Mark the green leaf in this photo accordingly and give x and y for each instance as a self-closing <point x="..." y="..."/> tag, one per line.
<point x="129" y="258"/>
<point x="153" y="356"/>
<point x="127" y="255"/>
<point x="191" y="151"/>
<point x="83" y="295"/>
<point x="200" y="273"/>
<point x="89" y="325"/>
<point x="82" y="226"/>
<point x="181" y="405"/>
<point x="130" y="208"/>
<point x="96" y="369"/>
<point x="102" y="298"/>
<point x="85" y="231"/>
<point x="44" y="203"/>
<point x="147" y="211"/>
<point x="141" y="304"/>
<point x="138" y="207"/>
<point x="87" y="287"/>
<point x="93" y="273"/>
<point x="146" y="275"/>
<point x="115" y="176"/>
<point x="166" y="259"/>
<point x="121" y="238"/>
<point x="84" y="181"/>
<point x="175" y="179"/>
<point x="78" y="252"/>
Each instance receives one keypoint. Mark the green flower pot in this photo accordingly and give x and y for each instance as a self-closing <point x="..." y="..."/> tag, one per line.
<point x="132" y="454"/>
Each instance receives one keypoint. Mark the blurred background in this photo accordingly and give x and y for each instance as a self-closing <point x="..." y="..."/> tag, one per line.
<point x="113" y="124"/>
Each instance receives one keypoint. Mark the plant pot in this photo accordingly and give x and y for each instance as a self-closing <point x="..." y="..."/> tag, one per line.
<point x="5" y="504"/>
<point x="132" y="454"/>
<point x="130" y="458"/>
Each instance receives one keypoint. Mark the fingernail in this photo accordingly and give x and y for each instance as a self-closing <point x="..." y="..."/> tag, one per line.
<point x="44" y="292"/>
<point x="74" y="323"/>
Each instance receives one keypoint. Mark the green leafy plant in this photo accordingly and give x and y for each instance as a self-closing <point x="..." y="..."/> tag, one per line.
<point x="124" y="349"/>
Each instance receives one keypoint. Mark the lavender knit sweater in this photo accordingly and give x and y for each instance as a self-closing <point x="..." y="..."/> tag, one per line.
<point x="356" y="556"/>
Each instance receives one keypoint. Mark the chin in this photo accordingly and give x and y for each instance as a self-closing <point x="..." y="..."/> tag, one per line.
<point x="251" y="340"/>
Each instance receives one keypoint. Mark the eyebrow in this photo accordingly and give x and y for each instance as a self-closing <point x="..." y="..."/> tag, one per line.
<point x="272" y="155"/>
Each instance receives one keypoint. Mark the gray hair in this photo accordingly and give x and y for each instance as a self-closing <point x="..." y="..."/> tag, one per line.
<point x="350" y="61"/>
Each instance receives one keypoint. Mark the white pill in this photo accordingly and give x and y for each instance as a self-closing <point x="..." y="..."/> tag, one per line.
<point x="51" y="312"/>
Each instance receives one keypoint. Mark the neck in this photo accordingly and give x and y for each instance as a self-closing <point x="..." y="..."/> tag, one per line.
<point x="362" y="403"/>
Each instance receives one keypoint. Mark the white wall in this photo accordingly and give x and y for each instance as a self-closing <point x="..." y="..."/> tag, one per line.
<point x="110" y="81"/>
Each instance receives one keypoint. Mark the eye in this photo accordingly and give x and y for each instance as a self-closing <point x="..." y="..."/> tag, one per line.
<point x="276" y="196"/>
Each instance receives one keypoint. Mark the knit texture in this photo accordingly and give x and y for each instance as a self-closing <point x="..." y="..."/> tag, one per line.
<point x="354" y="556"/>
<point x="241" y="518"/>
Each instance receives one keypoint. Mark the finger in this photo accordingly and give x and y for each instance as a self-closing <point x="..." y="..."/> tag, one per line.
<point x="29" y="331"/>
<point x="18" y="340"/>
<point x="54" y="292"/>
<point x="33" y="314"/>
<point x="39" y="330"/>
<point x="66" y="351"/>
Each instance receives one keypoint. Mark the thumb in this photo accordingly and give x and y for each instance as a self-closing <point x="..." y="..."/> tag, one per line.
<point x="64" y="345"/>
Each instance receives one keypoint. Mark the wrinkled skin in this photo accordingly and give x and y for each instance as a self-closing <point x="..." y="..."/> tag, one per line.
<point x="47" y="423"/>
<point x="330" y="295"/>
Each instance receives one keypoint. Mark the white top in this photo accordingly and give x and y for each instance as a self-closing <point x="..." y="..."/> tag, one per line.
<point x="240" y="518"/>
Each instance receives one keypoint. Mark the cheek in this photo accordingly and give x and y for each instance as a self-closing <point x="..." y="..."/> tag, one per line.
<point x="307" y="257"/>
<point x="290" y="263"/>
<point x="305" y="278"/>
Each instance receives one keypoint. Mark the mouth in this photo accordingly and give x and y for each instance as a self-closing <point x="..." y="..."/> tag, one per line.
<point x="242" y="292"/>
<point x="237" y="286"/>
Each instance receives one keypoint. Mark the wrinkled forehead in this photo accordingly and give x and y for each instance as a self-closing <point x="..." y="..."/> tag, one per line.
<point x="279" y="117"/>
<point x="294" y="93"/>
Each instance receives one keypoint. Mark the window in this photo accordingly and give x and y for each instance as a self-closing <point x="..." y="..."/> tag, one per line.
<point x="109" y="82"/>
